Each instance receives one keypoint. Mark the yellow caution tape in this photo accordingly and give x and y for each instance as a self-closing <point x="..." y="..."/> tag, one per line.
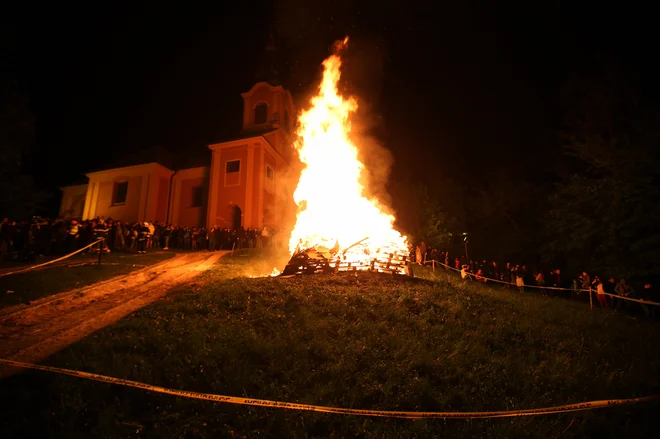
<point x="32" y="267"/>
<point x="581" y="290"/>
<point x="343" y="411"/>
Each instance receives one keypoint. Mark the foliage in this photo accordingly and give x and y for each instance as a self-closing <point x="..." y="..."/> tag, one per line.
<point x="606" y="213"/>
<point x="19" y="195"/>
<point x="366" y="341"/>
<point x="504" y="216"/>
<point x="608" y="224"/>
<point x="427" y="220"/>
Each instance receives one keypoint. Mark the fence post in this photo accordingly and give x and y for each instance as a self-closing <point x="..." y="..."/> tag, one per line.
<point x="433" y="265"/>
<point x="591" y="300"/>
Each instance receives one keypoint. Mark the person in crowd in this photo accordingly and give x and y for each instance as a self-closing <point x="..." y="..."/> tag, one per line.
<point x="143" y="234"/>
<point x="575" y="288"/>
<point x="609" y="288"/>
<point x="506" y="275"/>
<point x="73" y="236"/>
<point x="423" y="250"/>
<point x="520" y="276"/>
<point x="100" y="232"/>
<point x="555" y="280"/>
<point x="623" y="289"/>
<point x="586" y="281"/>
<point x="600" y="292"/>
<point x="479" y="276"/>
<point x="649" y="294"/>
<point x="539" y="279"/>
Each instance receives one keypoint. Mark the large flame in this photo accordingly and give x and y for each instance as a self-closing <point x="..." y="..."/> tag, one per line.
<point x="333" y="211"/>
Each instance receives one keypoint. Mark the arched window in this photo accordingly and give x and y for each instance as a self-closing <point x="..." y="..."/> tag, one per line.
<point x="287" y="127"/>
<point x="261" y="113"/>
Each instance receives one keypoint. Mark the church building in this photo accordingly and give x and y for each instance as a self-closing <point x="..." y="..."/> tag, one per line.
<point x="240" y="187"/>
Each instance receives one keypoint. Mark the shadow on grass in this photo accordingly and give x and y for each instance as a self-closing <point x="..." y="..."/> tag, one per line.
<point x="25" y="287"/>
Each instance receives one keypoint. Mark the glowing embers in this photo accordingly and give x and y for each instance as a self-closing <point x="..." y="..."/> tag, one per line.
<point x="357" y="257"/>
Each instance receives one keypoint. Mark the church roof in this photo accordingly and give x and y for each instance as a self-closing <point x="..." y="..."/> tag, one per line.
<point x="248" y="134"/>
<point x="270" y="65"/>
<point x="190" y="158"/>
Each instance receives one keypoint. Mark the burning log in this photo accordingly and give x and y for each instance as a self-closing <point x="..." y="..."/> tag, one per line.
<point x="356" y="257"/>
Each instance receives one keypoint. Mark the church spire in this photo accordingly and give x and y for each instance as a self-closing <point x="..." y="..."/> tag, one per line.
<point x="268" y="67"/>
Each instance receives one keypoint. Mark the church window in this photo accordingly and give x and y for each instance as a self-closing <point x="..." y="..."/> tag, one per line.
<point x="261" y="113"/>
<point x="233" y="166"/>
<point x="119" y="193"/>
<point x="270" y="179"/>
<point x="197" y="196"/>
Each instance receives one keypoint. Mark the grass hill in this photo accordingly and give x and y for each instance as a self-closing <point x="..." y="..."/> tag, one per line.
<point x="369" y="341"/>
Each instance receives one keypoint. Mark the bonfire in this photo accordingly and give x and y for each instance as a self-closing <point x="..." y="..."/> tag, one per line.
<point x="337" y="226"/>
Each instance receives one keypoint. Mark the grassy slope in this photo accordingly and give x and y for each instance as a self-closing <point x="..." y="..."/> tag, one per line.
<point x="371" y="341"/>
<point x="33" y="285"/>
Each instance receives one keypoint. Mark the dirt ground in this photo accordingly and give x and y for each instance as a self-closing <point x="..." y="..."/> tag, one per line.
<point x="32" y="333"/>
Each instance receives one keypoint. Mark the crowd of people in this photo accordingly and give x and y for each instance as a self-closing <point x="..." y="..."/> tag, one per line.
<point x="26" y="240"/>
<point x="550" y="283"/>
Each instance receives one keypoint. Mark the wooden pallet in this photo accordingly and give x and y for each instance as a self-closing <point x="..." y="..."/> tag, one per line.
<point x="312" y="261"/>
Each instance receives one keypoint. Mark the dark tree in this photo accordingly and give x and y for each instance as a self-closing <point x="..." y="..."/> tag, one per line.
<point x="423" y="217"/>
<point x="19" y="196"/>
<point x="605" y="215"/>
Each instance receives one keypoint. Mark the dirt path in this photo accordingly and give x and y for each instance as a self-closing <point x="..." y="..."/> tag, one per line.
<point x="32" y="333"/>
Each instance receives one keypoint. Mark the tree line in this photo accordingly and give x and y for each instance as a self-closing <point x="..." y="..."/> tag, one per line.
<point x="593" y="204"/>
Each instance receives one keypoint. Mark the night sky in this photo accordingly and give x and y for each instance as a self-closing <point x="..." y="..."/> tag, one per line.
<point x="462" y="91"/>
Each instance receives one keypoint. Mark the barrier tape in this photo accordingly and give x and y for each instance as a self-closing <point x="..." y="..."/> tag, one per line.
<point x="23" y="270"/>
<point x="645" y="302"/>
<point x="590" y="405"/>
<point x="481" y="278"/>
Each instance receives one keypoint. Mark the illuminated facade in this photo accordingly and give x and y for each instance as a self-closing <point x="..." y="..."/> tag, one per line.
<point x="241" y="187"/>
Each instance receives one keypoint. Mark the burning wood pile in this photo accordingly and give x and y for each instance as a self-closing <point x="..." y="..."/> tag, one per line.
<point x="357" y="257"/>
<point x="338" y="228"/>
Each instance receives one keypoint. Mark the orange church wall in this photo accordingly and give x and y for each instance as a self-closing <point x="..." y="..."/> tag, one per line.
<point x="143" y="197"/>
<point x="271" y="218"/>
<point x="163" y="194"/>
<point x="189" y="215"/>
<point x="183" y="211"/>
<point x="231" y="188"/>
<point x="127" y="211"/>
<point x="257" y="174"/>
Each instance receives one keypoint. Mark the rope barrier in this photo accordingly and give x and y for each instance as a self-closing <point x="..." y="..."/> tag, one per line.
<point x="23" y="270"/>
<point x="590" y="405"/>
<point x="581" y="290"/>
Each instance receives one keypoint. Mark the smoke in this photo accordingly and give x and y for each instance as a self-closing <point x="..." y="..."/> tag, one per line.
<point x="286" y="210"/>
<point x="377" y="159"/>
<point x="363" y="66"/>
